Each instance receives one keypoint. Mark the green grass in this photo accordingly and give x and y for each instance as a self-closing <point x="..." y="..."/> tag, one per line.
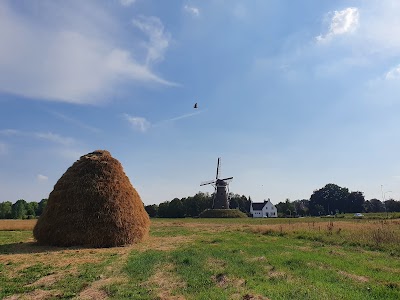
<point x="229" y="259"/>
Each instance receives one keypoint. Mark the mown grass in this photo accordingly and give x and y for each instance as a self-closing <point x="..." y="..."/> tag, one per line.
<point x="221" y="259"/>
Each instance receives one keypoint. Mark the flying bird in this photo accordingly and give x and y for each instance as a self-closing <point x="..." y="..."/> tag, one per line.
<point x="195" y="105"/>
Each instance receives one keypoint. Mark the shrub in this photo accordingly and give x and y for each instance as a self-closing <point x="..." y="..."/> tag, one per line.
<point x="222" y="213"/>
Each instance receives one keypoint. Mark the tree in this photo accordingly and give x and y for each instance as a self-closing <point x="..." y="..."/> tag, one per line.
<point x="376" y="205"/>
<point x="18" y="209"/>
<point x="355" y="202"/>
<point x="5" y="210"/>
<point x="41" y="206"/>
<point x="331" y="197"/>
<point x="176" y="209"/>
<point x="163" y="209"/>
<point x="301" y="207"/>
<point x="31" y="209"/>
<point x="285" y="208"/>
<point x="151" y="210"/>
<point x="392" y="205"/>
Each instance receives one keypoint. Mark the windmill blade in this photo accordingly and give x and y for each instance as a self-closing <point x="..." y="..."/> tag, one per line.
<point x="228" y="178"/>
<point x="207" y="182"/>
<point x="218" y="166"/>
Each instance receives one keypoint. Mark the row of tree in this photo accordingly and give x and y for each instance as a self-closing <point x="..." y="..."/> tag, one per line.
<point x="333" y="199"/>
<point x="329" y="200"/>
<point x="21" y="209"/>
<point x="193" y="206"/>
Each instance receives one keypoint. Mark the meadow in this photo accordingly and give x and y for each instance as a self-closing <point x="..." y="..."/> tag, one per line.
<point x="302" y="258"/>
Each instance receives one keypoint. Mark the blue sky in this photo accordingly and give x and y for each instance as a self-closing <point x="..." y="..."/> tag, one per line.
<point x="292" y="94"/>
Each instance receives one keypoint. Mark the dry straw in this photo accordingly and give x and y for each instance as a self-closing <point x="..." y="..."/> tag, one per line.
<point x="93" y="204"/>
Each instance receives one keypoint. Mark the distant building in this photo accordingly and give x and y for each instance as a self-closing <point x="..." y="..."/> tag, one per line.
<point x="263" y="210"/>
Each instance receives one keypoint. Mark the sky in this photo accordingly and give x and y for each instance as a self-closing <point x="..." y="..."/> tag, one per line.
<point x="292" y="95"/>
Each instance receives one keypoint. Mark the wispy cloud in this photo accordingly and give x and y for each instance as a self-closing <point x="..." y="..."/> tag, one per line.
<point x="48" y="136"/>
<point x="142" y="124"/>
<point x="178" y="118"/>
<point x="393" y="73"/>
<point x="76" y="63"/>
<point x="341" y="22"/>
<point x="127" y="2"/>
<point x="10" y="132"/>
<point x="138" y="123"/>
<point x="55" y="138"/>
<point x="158" y="39"/>
<point x="75" y="122"/>
<point x="42" y="178"/>
<point x="192" y="10"/>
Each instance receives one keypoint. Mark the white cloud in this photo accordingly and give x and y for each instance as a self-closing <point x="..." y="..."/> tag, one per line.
<point x="342" y="22"/>
<point x="55" y="138"/>
<point x="127" y="2"/>
<point x="70" y="63"/>
<point x="394" y="73"/>
<point x="194" y="11"/>
<point x="138" y="123"/>
<point x="42" y="178"/>
<point x="158" y="39"/>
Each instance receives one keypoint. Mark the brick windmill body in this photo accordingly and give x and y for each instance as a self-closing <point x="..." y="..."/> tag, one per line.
<point x="221" y="186"/>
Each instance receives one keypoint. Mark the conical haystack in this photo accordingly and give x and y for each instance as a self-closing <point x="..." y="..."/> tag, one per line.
<point x="93" y="204"/>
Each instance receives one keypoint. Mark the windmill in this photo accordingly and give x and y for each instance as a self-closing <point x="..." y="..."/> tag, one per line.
<point x="221" y="187"/>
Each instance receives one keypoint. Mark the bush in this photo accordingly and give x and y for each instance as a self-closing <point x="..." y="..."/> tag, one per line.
<point x="222" y="213"/>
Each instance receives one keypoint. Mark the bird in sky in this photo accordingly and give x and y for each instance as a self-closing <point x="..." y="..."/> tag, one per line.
<point x="195" y="105"/>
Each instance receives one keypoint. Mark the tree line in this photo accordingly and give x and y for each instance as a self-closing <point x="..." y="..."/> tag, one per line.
<point x="192" y="206"/>
<point x="333" y="199"/>
<point x="329" y="200"/>
<point x="21" y="209"/>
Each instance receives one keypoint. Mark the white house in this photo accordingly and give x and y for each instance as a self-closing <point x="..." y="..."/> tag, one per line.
<point x="263" y="210"/>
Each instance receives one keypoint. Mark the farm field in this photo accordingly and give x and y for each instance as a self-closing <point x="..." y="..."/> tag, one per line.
<point x="304" y="258"/>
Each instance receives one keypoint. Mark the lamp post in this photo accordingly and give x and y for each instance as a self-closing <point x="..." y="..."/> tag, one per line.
<point x="384" y="199"/>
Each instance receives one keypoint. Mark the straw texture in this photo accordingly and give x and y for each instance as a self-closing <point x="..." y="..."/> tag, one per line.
<point x="93" y="204"/>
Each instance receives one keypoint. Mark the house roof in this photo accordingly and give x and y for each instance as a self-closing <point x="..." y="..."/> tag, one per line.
<point x="258" y="206"/>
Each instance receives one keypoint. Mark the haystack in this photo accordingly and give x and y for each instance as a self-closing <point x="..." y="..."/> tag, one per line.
<point x="93" y="204"/>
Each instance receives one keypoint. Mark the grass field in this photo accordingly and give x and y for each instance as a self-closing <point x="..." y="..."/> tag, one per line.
<point x="212" y="259"/>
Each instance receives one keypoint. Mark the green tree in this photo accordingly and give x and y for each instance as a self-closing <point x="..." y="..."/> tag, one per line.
<point x="31" y="209"/>
<point x="151" y="210"/>
<point x="18" y="210"/>
<point x="392" y="205"/>
<point x="5" y="210"/>
<point x="355" y="202"/>
<point x="41" y="206"/>
<point x="176" y="209"/>
<point x="331" y="197"/>
<point x="163" y="209"/>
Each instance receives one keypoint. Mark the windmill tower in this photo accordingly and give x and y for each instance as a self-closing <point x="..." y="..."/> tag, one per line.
<point x="221" y="187"/>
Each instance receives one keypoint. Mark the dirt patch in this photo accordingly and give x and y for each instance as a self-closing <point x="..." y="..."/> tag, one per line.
<point x="34" y="295"/>
<point x="46" y="280"/>
<point x="354" y="277"/>
<point x="221" y="280"/>
<point x="93" y="293"/>
<point x="164" y="281"/>
<point x="258" y="258"/>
